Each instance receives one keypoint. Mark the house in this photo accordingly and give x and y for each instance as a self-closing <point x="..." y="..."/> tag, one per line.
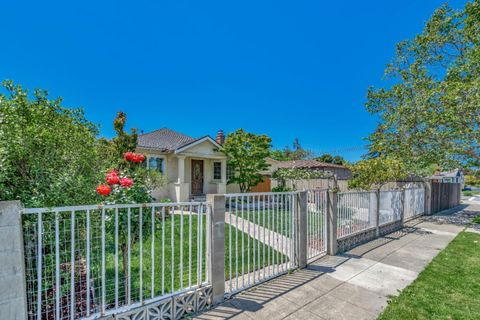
<point x="193" y="166"/>
<point x="342" y="173"/>
<point x="455" y="176"/>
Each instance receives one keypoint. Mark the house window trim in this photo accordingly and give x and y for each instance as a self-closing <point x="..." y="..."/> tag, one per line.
<point x="164" y="162"/>
<point x="213" y="171"/>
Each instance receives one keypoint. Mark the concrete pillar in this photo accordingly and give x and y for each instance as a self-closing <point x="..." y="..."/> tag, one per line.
<point x="216" y="250"/>
<point x="181" y="169"/>
<point x="13" y="294"/>
<point x="301" y="222"/>
<point x="403" y="199"/>
<point x="377" y="215"/>
<point x="332" y="203"/>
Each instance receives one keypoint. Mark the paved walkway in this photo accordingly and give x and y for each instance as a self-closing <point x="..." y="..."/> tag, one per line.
<point x="354" y="285"/>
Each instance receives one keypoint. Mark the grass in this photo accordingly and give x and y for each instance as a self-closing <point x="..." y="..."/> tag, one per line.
<point x="449" y="288"/>
<point x="469" y="193"/>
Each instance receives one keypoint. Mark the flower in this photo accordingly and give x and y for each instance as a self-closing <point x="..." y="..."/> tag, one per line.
<point x="112" y="178"/>
<point x="104" y="189"/>
<point x="126" y="182"/>
<point x="138" y="158"/>
<point x="113" y="172"/>
<point x="129" y="156"/>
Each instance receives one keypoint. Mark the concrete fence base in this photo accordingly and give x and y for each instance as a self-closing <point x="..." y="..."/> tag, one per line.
<point x="13" y="300"/>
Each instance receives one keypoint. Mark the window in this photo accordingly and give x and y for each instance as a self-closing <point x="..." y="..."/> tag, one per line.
<point x="217" y="171"/>
<point x="230" y="172"/>
<point x="155" y="163"/>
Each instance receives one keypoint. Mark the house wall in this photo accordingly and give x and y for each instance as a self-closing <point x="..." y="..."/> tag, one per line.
<point x="181" y="192"/>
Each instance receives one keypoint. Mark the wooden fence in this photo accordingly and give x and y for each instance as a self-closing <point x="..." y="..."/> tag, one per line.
<point x="445" y="196"/>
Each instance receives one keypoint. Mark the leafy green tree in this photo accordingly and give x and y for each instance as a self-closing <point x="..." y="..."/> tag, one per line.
<point x="431" y="114"/>
<point x="246" y="154"/>
<point x="328" y="158"/>
<point x="373" y="173"/>
<point x="296" y="152"/>
<point x="48" y="153"/>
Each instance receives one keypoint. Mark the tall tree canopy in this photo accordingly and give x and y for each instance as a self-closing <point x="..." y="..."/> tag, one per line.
<point x="47" y="152"/>
<point x="246" y="154"/>
<point x="296" y="152"/>
<point x="328" y="158"/>
<point x="431" y="113"/>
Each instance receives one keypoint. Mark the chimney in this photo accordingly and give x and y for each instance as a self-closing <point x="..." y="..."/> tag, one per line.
<point x="220" y="137"/>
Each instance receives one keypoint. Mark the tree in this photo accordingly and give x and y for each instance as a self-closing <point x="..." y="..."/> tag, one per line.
<point x="373" y="173"/>
<point x="297" y="152"/>
<point x="48" y="153"/>
<point x="246" y="154"/>
<point x="127" y="181"/>
<point x="431" y="114"/>
<point x="328" y="158"/>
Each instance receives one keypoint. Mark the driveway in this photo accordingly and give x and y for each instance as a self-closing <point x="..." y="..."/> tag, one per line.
<point x="354" y="285"/>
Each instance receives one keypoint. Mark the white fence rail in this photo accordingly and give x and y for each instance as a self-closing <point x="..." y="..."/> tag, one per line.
<point x="88" y="261"/>
<point x="259" y="242"/>
<point x="356" y="212"/>
<point x="414" y="202"/>
<point x="317" y="202"/>
<point x="391" y="206"/>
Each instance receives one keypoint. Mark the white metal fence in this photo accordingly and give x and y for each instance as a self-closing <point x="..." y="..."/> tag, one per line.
<point x="317" y="201"/>
<point x="93" y="261"/>
<point x="391" y="206"/>
<point x="414" y="202"/>
<point x="87" y="261"/>
<point x="259" y="241"/>
<point x="356" y="212"/>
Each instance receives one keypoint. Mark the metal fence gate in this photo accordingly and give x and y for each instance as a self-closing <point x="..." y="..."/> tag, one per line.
<point x="317" y="202"/>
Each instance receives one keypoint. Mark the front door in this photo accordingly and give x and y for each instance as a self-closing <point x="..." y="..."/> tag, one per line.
<point x="197" y="177"/>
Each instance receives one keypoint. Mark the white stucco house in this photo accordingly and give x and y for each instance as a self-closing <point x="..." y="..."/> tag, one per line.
<point x="193" y="167"/>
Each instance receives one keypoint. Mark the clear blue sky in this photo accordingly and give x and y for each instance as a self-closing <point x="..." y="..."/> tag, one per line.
<point x="284" y="68"/>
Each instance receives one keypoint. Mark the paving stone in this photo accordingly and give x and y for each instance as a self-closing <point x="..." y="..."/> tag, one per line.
<point x="330" y="307"/>
<point x="371" y="301"/>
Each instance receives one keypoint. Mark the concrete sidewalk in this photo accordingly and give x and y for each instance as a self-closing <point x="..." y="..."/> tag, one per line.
<point x="354" y="285"/>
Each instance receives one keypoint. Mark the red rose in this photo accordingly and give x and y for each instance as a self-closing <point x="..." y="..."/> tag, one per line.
<point x="126" y="182"/>
<point x="129" y="156"/>
<point x="112" y="178"/>
<point x="113" y="172"/>
<point x="138" y="158"/>
<point x="104" y="190"/>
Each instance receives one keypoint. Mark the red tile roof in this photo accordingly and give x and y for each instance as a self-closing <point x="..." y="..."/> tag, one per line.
<point x="308" y="164"/>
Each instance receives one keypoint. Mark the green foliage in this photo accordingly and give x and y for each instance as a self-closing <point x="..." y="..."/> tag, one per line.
<point x="373" y="173"/>
<point x="328" y="158"/>
<point x="281" y="189"/>
<point x="472" y="180"/>
<point x="48" y="153"/>
<point x="431" y="114"/>
<point x="294" y="153"/>
<point x="246" y="154"/>
<point x="298" y="174"/>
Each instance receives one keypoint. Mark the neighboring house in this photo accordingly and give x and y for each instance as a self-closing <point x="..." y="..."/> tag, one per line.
<point x="342" y="173"/>
<point x="193" y="167"/>
<point x="455" y="176"/>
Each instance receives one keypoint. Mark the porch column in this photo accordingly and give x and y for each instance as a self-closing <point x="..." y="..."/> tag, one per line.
<point x="224" y="171"/>
<point x="181" y="169"/>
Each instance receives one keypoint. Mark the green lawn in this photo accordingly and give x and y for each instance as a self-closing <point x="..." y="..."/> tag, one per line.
<point x="279" y="221"/>
<point x="449" y="288"/>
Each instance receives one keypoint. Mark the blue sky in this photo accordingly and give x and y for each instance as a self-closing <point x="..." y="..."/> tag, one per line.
<point x="284" y="68"/>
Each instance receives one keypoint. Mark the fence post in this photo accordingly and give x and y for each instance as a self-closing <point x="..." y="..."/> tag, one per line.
<point x="332" y="203"/>
<point x="13" y="296"/>
<point x="377" y="214"/>
<point x="302" y="229"/>
<point x="216" y="251"/>
<point x="402" y="213"/>
<point x="428" y="197"/>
